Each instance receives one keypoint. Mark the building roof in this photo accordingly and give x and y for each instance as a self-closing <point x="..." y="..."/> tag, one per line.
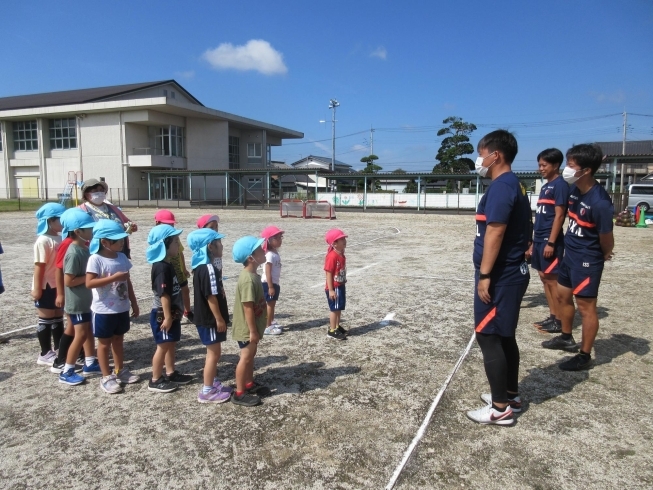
<point x="324" y="160"/>
<point x="633" y="148"/>
<point x="81" y="96"/>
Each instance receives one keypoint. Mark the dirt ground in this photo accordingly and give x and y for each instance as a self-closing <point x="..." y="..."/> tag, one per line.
<point x="342" y="413"/>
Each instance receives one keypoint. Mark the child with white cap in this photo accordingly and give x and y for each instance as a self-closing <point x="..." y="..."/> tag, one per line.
<point x="44" y="286"/>
<point x="206" y="245"/>
<point x="273" y="237"/>
<point x="335" y="266"/>
<point x="107" y="274"/>
<point x="212" y="221"/>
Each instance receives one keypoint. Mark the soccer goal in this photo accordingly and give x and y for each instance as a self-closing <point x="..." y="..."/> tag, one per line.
<point x="291" y="208"/>
<point x="319" y="209"/>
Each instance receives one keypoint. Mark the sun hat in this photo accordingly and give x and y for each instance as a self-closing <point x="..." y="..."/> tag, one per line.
<point x="334" y="234"/>
<point x="198" y="241"/>
<point x="156" y="251"/>
<point x="268" y="233"/>
<point x="74" y="219"/>
<point x="106" y="228"/>
<point x="202" y="221"/>
<point x="92" y="183"/>
<point x="45" y="212"/>
<point x="165" y="216"/>
<point x="244" y="247"/>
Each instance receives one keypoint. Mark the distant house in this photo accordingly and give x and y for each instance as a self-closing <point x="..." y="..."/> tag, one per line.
<point x="295" y="183"/>
<point x="637" y="160"/>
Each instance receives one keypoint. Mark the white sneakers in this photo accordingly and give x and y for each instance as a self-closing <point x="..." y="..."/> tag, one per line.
<point x="489" y="416"/>
<point x="274" y="329"/>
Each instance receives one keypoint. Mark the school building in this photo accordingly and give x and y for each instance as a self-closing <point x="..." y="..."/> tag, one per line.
<point x="123" y="134"/>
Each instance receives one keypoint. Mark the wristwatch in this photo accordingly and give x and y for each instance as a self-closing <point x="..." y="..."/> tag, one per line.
<point x="483" y="276"/>
<point x="551" y="244"/>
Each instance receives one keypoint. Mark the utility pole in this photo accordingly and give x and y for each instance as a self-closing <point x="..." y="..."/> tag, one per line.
<point x="333" y="103"/>
<point x="623" y="152"/>
<point x="371" y="140"/>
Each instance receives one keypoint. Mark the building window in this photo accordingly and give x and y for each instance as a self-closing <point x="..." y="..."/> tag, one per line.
<point x="254" y="150"/>
<point x="234" y="152"/>
<point x="170" y="141"/>
<point x="254" y="183"/>
<point x="25" y="136"/>
<point x="63" y="134"/>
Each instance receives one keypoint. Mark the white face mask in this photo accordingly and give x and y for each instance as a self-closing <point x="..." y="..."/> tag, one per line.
<point x="569" y="174"/>
<point x="97" y="198"/>
<point x="480" y="169"/>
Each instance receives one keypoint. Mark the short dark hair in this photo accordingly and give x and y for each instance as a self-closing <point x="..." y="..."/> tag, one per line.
<point x="586" y="156"/>
<point x="168" y="240"/>
<point x="502" y="141"/>
<point x="552" y="156"/>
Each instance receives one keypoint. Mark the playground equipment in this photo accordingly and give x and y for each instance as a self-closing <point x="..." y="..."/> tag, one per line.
<point x="75" y="181"/>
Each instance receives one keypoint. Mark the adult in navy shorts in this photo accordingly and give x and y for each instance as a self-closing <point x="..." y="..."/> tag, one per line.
<point x="503" y="230"/>
<point x="548" y="247"/>
<point x="588" y="244"/>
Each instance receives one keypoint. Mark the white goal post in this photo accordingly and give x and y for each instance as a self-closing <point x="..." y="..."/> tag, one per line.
<point x="319" y="209"/>
<point x="291" y="208"/>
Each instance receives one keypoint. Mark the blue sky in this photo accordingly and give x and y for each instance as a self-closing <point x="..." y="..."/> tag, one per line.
<point x="546" y="70"/>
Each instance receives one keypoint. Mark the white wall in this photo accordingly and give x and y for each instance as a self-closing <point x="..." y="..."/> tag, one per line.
<point x="100" y="137"/>
<point x="207" y="144"/>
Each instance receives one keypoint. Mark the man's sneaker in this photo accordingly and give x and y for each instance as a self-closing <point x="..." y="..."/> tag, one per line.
<point x="110" y="384"/>
<point x="92" y="369"/>
<point x="576" y="363"/>
<point x="126" y="377"/>
<point x="246" y="400"/>
<point x="81" y="359"/>
<point x="559" y="343"/>
<point x="220" y="387"/>
<point x="489" y="416"/>
<point x="341" y="330"/>
<point x="70" y="377"/>
<point x="273" y="330"/>
<point x="515" y="403"/>
<point x="57" y="366"/>
<point x="259" y="390"/>
<point x="552" y="327"/>
<point x="163" y="385"/>
<point x="178" y="378"/>
<point x="213" y="396"/>
<point x="541" y="323"/>
<point x="189" y="315"/>
<point x="47" y="359"/>
<point x="336" y="335"/>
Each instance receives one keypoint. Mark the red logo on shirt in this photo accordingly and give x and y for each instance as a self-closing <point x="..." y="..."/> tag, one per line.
<point x="582" y="211"/>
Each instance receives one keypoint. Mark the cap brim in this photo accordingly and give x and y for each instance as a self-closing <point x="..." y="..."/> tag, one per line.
<point x="116" y="236"/>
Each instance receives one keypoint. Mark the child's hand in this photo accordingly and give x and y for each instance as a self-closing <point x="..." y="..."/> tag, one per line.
<point x="60" y="301"/>
<point x="332" y="294"/>
<point x="271" y="291"/>
<point x="120" y="276"/>
<point x="135" y="311"/>
<point x="36" y="294"/>
<point x="254" y="337"/>
<point x="222" y="326"/>
<point x="166" y="324"/>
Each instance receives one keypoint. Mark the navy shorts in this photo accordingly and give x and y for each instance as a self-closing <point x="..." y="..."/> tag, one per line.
<point x="341" y="299"/>
<point x="243" y="344"/>
<point x="210" y="335"/>
<point x="48" y="296"/>
<point x="542" y="264"/>
<point x="501" y="315"/>
<point x="584" y="282"/>
<point x="161" y="336"/>
<point x="106" y="325"/>
<point x="76" y="318"/>
<point x="277" y="289"/>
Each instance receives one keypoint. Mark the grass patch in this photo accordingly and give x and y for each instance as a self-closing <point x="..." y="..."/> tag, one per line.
<point x="25" y="204"/>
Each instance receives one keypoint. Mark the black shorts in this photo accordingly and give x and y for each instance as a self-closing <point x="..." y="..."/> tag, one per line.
<point x="47" y="299"/>
<point x="584" y="282"/>
<point x="501" y="315"/>
<point x="541" y="263"/>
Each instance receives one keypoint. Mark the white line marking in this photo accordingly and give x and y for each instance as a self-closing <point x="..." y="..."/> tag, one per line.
<point x="435" y="278"/>
<point x="387" y="319"/>
<point x="355" y="271"/>
<point x="427" y="419"/>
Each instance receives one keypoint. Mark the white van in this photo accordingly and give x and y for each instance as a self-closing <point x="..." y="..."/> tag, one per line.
<point x="640" y="195"/>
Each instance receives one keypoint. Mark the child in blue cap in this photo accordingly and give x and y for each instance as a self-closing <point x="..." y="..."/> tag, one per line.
<point x="78" y="226"/>
<point x="249" y="320"/>
<point x="167" y="308"/>
<point x="44" y="285"/>
<point x="206" y="245"/>
<point x="107" y="274"/>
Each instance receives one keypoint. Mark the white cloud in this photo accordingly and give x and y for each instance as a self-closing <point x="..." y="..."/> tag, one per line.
<point x="380" y="53"/>
<point x="360" y="148"/>
<point x="185" y="74"/>
<point x="322" y="147"/>
<point x="257" y="55"/>
<point x="617" y="97"/>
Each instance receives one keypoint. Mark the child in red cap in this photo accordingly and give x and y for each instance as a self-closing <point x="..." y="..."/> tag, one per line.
<point x="164" y="216"/>
<point x="335" y="266"/>
<point x="271" y="274"/>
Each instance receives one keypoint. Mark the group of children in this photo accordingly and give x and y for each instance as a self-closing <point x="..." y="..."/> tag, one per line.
<point x="86" y="276"/>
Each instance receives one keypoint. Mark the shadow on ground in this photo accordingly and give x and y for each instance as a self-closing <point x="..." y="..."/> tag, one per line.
<point x="372" y="327"/>
<point x="303" y="377"/>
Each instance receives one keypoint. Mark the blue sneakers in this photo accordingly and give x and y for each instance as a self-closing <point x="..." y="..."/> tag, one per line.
<point x="92" y="369"/>
<point x="70" y="377"/>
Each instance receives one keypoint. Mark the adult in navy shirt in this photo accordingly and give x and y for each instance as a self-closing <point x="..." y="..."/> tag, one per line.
<point x="548" y="248"/>
<point x="503" y="230"/>
<point x="588" y="244"/>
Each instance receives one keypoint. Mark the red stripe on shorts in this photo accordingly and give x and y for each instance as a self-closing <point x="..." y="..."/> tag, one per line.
<point x="582" y="285"/>
<point x="550" y="268"/>
<point x="488" y="318"/>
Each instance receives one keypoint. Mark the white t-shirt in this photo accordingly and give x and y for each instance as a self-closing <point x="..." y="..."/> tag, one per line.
<point x="45" y="252"/>
<point x="274" y="259"/>
<point x="114" y="297"/>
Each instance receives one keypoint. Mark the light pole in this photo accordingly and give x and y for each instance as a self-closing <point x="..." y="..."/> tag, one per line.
<point x="333" y="103"/>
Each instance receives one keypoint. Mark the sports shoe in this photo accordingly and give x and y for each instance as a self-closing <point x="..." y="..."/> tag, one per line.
<point x="110" y="384"/>
<point x="341" y="330"/>
<point x="259" y="390"/>
<point x="92" y="369"/>
<point x="58" y="367"/>
<point x="47" y="359"/>
<point x="515" y="403"/>
<point x="178" y="378"/>
<point x="559" y="343"/>
<point x="273" y="330"/>
<point x="552" y="327"/>
<point x="246" y="400"/>
<point x="213" y="396"/>
<point x="220" y="387"/>
<point x="336" y="335"/>
<point x="541" y="323"/>
<point x="70" y="377"/>
<point x="163" y="385"/>
<point x="576" y="363"/>
<point x="126" y="377"/>
<point x="189" y="315"/>
<point x="489" y="416"/>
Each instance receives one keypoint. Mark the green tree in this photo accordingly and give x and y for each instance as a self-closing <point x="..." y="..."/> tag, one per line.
<point x="411" y="187"/>
<point x="371" y="168"/>
<point x="399" y="171"/>
<point x="454" y="147"/>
